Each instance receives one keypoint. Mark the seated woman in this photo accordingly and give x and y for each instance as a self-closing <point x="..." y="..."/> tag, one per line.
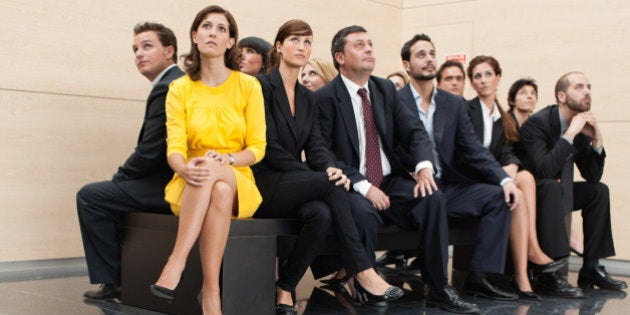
<point x="254" y="55"/>
<point x="311" y="191"/>
<point x="316" y="73"/>
<point x="497" y="131"/>
<point x="215" y="130"/>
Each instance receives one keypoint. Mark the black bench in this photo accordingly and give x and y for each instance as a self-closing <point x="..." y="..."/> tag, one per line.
<point x="247" y="275"/>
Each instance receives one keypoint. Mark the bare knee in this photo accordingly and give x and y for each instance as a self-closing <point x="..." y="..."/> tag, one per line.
<point x="526" y="179"/>
<point x="222" y="197"/>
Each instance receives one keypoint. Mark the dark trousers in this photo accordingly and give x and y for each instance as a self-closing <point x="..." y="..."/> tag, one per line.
<point x="487" y="203"/>
<point x="99" y="207"/>
<point x="426" y="215"/>
<point x="594" y="201"/>
<point x="293" y="196"/>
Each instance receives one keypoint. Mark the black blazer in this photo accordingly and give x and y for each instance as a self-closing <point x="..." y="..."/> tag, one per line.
<point x="396" y="126"/>
<point x="287" y="136"/>
<point x="501" y="149"/>
<point x="147" y="169"/>
<point x="455" y="138"/>
<point x="546" y="153"/>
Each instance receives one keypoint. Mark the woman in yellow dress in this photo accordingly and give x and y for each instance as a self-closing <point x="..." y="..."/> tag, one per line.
<point x="215" y="131"/>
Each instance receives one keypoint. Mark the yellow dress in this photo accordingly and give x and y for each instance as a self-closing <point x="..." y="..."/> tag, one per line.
<point x="227" y="118"/>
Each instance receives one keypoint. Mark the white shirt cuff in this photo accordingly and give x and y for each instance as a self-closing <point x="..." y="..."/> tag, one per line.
<point x="569" y="141"/>
<point x="598" y="150"/>
<point x="424" y="164"/>
<point x="505" y="181"/>
<point x="362" y="187"/>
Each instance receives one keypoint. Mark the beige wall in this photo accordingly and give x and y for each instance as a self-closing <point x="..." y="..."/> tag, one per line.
<point x="71" y="100"/>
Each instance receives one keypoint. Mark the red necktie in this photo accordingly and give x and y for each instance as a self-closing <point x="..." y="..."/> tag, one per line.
<point x="373" y="166"/>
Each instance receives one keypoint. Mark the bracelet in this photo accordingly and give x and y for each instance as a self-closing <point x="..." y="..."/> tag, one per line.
<point x="231" y="158"/>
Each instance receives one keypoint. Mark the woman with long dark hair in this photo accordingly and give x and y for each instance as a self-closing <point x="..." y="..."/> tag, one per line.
<point x="215" y="130"/>
<point x="314" y="191"/>
<point x="497" y="131"/>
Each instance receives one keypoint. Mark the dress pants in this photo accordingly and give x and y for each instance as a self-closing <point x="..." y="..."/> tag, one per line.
<point x="487" y="203"/>
<point x="594" y="201"/>
<point x="99" y="208"/>
<point x="426" y="215"/>
<point x="293" y="197"/>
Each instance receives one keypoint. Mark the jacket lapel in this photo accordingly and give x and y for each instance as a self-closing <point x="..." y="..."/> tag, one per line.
<point x="476" y="117"/>
<point x="439" y="118"/>
<point x="378" y="111"/>
<point x="347" y="113"/>
<point x="282" y="101"/>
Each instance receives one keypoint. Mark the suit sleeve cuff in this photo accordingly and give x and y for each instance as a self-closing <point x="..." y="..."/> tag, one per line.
<point x="568" y="140"/>
<point x="362" y="187"/>
<point x="598" y="150"/>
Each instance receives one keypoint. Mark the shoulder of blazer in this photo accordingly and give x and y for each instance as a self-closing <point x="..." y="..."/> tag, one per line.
<point x="405" y="95"/>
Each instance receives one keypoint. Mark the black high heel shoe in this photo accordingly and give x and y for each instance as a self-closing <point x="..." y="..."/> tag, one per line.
<point x="392" y="293"/>
<point x="575" y="251"/>
<point x="527" y="295"/>
<point x="162" y="292"/>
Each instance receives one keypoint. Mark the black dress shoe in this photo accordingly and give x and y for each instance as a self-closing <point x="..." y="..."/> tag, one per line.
<point x="105" y="293"/>
<point x="390" y="294"/>
<point x="478" y="285"/>
<point x="162" y="292"/>
<point x="552" y="283"/>
<point x="283" y="309"/>
<point x="548" y="268"/>
<point x="588" y="279"/>
<point x="391" y="257"/>
<point x="526" y="295"/>
<point x="448" y="299"/>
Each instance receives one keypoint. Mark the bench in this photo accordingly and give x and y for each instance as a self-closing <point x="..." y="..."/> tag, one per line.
<point x="247" y="275"/>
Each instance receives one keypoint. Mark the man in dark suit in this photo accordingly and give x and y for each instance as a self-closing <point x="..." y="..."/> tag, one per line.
<point x="363" y="123"/>
<point x="485" y="197"/>
<point x="139" y="183"/>
<point x="553" y="140"/>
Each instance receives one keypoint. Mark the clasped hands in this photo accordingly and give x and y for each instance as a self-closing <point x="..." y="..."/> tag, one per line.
<point x="337" y="175"/>
<point x="198" y="169"/>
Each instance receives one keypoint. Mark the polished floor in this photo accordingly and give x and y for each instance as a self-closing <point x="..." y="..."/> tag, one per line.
<point x="63" y="296"/>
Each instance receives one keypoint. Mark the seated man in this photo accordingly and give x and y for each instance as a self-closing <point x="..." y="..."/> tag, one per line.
<point x="139" y="183"/>
<point x="453" y="139"/>
<point x="553" y="140"/>
<point x="363" y="122"/>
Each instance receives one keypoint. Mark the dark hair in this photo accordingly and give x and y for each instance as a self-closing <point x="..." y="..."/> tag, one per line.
<point x="291" y="27"/>
<point x="563" y="83"/>
<point x="448" y="64"/>
<point x="260" y="46"/>
<point x="509" y="125"/>
<point x="516" y="86"/>
<point x="405" y="51"/>
<point x="164" y="34"/>
<point x="339" y="40"/>
<point x="192" y="61"/>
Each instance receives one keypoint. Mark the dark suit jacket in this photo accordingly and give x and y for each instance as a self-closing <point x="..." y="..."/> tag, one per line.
<point x="146" y="172"/>
<point x="501" y="149"/>
<point x="396" y="126"/>
<point x="546" y="153"/>
<point x="287" y="136"/>
<point x="455" y="136"/>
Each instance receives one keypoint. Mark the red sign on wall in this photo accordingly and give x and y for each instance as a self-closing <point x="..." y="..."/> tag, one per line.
<point x="457" y="57"/>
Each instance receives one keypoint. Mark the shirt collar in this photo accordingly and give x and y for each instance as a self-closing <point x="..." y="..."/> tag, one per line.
<point x="352" y="87"/>
<point x="418" y="98"/>
<point x="496" y="115"/>
<point x="161" y="75"/>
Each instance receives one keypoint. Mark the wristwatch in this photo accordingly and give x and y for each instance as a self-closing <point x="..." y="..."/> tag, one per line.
<point x="231" y="158"/>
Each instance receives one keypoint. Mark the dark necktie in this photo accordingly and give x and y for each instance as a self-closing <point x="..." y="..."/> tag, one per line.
<point x="373" y="166"/>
